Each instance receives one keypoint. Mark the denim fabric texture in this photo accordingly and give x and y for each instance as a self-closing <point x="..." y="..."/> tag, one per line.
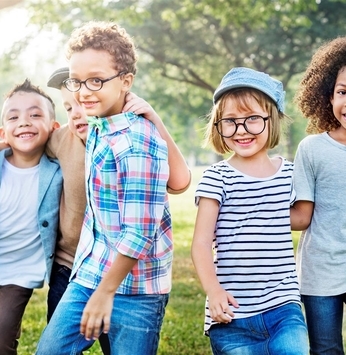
<point x="57" y="286"/>
<point x="324" y="316"/>
<point x="135" y="324"/>
<point x="281" y="330"/>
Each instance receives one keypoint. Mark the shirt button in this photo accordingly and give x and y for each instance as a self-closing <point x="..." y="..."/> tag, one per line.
<point x="45" y="224"/>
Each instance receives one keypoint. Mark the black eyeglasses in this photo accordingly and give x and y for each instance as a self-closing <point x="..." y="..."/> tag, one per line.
<point x="93" y="84"/>
<point x="227" y="127"/>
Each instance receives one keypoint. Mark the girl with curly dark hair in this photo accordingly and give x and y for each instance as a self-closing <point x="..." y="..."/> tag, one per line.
<point x="320" y="166"/>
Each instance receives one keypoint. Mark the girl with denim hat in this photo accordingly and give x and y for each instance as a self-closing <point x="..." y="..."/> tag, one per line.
<point x="253" y="302"/>
<point x="320" y="169"/>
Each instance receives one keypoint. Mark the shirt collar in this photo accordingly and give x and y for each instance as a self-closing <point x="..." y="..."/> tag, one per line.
<point x="109" y="124"/>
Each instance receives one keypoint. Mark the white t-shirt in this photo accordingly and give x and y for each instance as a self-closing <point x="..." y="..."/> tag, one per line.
<point x="254" y="256"/>
<point x="22" y="260"/>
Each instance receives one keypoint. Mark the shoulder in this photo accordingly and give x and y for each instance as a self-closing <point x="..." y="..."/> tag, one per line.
<point x="48" y="163"/>
<point x="61" y="141"/>
<point x="312" y="140"/>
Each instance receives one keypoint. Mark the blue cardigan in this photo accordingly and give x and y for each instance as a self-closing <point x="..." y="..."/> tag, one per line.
<point x="50" y="186"/>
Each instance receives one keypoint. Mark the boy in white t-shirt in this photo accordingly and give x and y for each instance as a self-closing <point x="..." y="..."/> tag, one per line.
<point x="30" y="188"/>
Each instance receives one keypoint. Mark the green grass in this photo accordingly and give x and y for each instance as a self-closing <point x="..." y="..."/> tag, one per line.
<point x="182" y="330"/>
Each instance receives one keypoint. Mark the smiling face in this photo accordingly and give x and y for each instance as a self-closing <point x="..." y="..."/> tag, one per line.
<point x="27" y="124"/>
<point x="339" y="99"/>
<point x="77" y="119"/>
<point x="109" y="100"/>
<point x="243" y="143"/>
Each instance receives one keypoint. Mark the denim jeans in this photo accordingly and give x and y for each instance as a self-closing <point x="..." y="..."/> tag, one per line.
<point x="59" y="281"/>
<point x="324" y="316"/>
<point x="135" y="324"/>
<point x="57" y="286"/>
<point x="13" y="300"/>
<point x="279" y="331"/>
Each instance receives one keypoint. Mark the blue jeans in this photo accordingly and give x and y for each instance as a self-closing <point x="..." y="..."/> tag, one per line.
<point x="324" y="317"/>
<point x="57" y="286"/>
<point x="281" y="331"/>
<point x="135" y="324"/>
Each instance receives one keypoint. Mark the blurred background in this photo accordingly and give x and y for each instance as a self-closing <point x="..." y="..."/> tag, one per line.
<point x="185" y="47"/>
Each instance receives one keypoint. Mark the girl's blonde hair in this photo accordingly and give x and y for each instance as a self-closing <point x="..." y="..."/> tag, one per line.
<point x="242" y="98"/>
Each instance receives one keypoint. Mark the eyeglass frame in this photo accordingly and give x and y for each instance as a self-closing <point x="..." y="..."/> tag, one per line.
<point x="216" y="124"/>
<point x="85" y="82"/>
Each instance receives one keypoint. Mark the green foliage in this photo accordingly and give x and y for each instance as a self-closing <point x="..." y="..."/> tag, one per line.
<point x="186" y="46"/>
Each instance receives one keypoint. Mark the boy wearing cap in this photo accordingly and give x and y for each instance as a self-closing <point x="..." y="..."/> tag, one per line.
<point x="29" y="205"/>
<point x="253" y="303"/>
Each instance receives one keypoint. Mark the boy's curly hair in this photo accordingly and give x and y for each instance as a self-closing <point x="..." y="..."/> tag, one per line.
<point x="105" y="36"/>
<point x="317" y="86"/>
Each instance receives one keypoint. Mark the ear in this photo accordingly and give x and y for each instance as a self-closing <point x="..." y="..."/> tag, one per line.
<point x="3" y="142"/>
<point x="56" y="125"/>
<point x="127" y="81"/>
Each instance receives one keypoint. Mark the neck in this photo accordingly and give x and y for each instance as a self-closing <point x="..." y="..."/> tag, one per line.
<point x="23" y="160"/>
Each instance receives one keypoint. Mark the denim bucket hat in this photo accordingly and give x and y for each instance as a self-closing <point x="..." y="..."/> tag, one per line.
<point x="248" y="78"/>
<point x="56" y="79"/>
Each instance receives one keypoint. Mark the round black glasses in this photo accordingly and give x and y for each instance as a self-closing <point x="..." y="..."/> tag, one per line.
<point x="93" y="84"/>
<point x="227" y="127"/>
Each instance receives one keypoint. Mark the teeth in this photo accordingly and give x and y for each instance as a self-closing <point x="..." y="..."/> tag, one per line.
<point x="26" y="135"/>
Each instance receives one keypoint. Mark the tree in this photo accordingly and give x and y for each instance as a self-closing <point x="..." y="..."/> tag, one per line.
<point x="186" y="46"/>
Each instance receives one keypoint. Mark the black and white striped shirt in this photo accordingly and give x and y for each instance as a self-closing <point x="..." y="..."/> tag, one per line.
<point x="254" y="256"/>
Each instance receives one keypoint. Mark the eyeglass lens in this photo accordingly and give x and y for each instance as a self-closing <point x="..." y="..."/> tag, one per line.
<point x="227" y="127"/>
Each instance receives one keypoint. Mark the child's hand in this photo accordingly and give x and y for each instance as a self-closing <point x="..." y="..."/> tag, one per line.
<point x="139" y="106"/>
<point x="219" y="301"/>
<point x="96" y="315"/>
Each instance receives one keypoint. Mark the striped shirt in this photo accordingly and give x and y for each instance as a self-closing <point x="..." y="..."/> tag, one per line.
<point x="253" y="247"/>
<point x="127" y="207"/>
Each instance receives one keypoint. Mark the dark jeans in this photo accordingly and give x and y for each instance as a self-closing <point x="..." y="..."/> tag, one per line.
<point x="13" y="300"/>
<point x="324" y="320"/>
<point x="57" y="286"/>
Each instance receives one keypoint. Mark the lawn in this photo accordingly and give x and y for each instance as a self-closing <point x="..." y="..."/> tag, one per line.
<point x="182" y="331"/>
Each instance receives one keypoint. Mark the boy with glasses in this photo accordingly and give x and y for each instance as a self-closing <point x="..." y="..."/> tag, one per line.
<point x="121" y="277"/>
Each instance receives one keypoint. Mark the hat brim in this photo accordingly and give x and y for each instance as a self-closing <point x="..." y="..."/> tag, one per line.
<point x="57" y="78"/>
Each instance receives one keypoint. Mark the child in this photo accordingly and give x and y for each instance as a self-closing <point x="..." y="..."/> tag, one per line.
<point x="68" y="145"/>
<point x="253" y="304"/>
<point x="29" y="203"/>
<point x="121" y="277"/>
<point x="318" y="179"/>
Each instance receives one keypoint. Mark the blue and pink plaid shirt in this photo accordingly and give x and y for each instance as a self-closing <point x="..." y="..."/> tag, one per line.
<point x="127" y="206"/>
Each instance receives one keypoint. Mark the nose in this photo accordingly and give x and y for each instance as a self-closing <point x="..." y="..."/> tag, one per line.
<point x="84" y="91"/>
<point x="77" y="112"/>
<point x="241" y="130"/>
<point x="23" y="121"/>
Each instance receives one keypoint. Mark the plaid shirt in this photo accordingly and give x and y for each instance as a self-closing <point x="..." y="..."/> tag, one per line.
<point x="127" y="206"/>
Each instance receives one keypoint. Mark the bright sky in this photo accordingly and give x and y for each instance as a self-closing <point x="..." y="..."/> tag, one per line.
<point x="41" y="57"/>
<point x="13" y="23"/>
<point x="14" y="27"/>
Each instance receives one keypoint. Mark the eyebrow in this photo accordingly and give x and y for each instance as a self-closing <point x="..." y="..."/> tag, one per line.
<point x="34" y="107"/>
